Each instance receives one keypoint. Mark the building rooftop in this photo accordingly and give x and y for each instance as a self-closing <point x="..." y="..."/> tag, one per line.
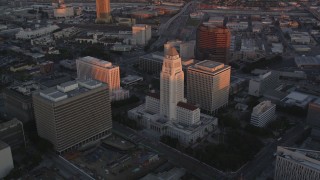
<point x="210" y="66"/>
<point x="262" y="107"/>
<point x="24" y="89"/>
<point x="307" y="61"/>
<point x="10" y="123"/>
<point x="3" y="145"/>
<point x="96" y="61"/>
<point x="308" y="158"/>
<point x="187" y="106"/>
<point x="131" y="79"/>
<point x="154" y="95"/>
<point x="69" y="89"/>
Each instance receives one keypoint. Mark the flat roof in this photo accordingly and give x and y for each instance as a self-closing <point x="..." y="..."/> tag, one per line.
<point x="187" y="106"/>
<point x="154" y="95"/>
<point x="307" y="60"/>
<point x="55" y="95"/>
<point x="210" y="66"/>
<point x="309" y="158"/>
<point x="96" y="61"/>
<point x="69" y="83"/>
<point x="10" y="123"/>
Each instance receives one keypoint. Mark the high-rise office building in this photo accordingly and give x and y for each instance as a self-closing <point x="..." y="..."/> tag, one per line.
<point x="141" y="33"/>
<point x="73" y="114"/>
<point x="263" y="113"/>
<point x="171" y="84"/>
<point x="208" y="85"/>
<point x="296" y="164"/>
<point x="169" y="113"/>
<point x="104" y="71"/>
<point x="213" y="43"/>
<point x="103" y="11"/>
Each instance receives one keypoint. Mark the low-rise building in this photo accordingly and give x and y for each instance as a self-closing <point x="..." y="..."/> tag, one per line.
<point x="300" y="37"/>
<point x="236" y="26"/>
<point x="28" y="34"/>
<point x="18" y="100"/>
<point x="263" y="114"/>
<point x="68" y="64"/>
<point x="306" y="62"/>
<point x="66" y="33"/>
<point x="298" y="99"/>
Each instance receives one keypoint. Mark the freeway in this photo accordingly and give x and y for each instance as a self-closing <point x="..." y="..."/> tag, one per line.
<point x="163" y="28"/>
<point x="250" y="12"/>
<point x="170" y="28"/>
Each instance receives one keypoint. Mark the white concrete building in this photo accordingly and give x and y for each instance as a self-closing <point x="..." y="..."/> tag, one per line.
<point x="6" y="161"/>
<point x="186" y="114"/>
<point x="263" y="113"/>
<point x="141" y="33"/>
<point x="153" y="103"/>
<point x="262" y="83"/>
<point x="27" y="34"/>
<point x="296" y="164"/>
<point x="171" y="85"/>
<point x="236" y="26"/>
<point x="168" y="113"/>
<point x="300" y="37"/>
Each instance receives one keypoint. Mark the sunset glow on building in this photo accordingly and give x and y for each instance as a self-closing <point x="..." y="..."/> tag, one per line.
<point x="208" y="85"/>
<point x="103" y="11"/>
<point x="214" y="42"/>
<point x="104" y="71"/>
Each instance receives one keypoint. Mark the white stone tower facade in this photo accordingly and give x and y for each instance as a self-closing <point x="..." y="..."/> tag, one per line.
<point x="171" y="85"/>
